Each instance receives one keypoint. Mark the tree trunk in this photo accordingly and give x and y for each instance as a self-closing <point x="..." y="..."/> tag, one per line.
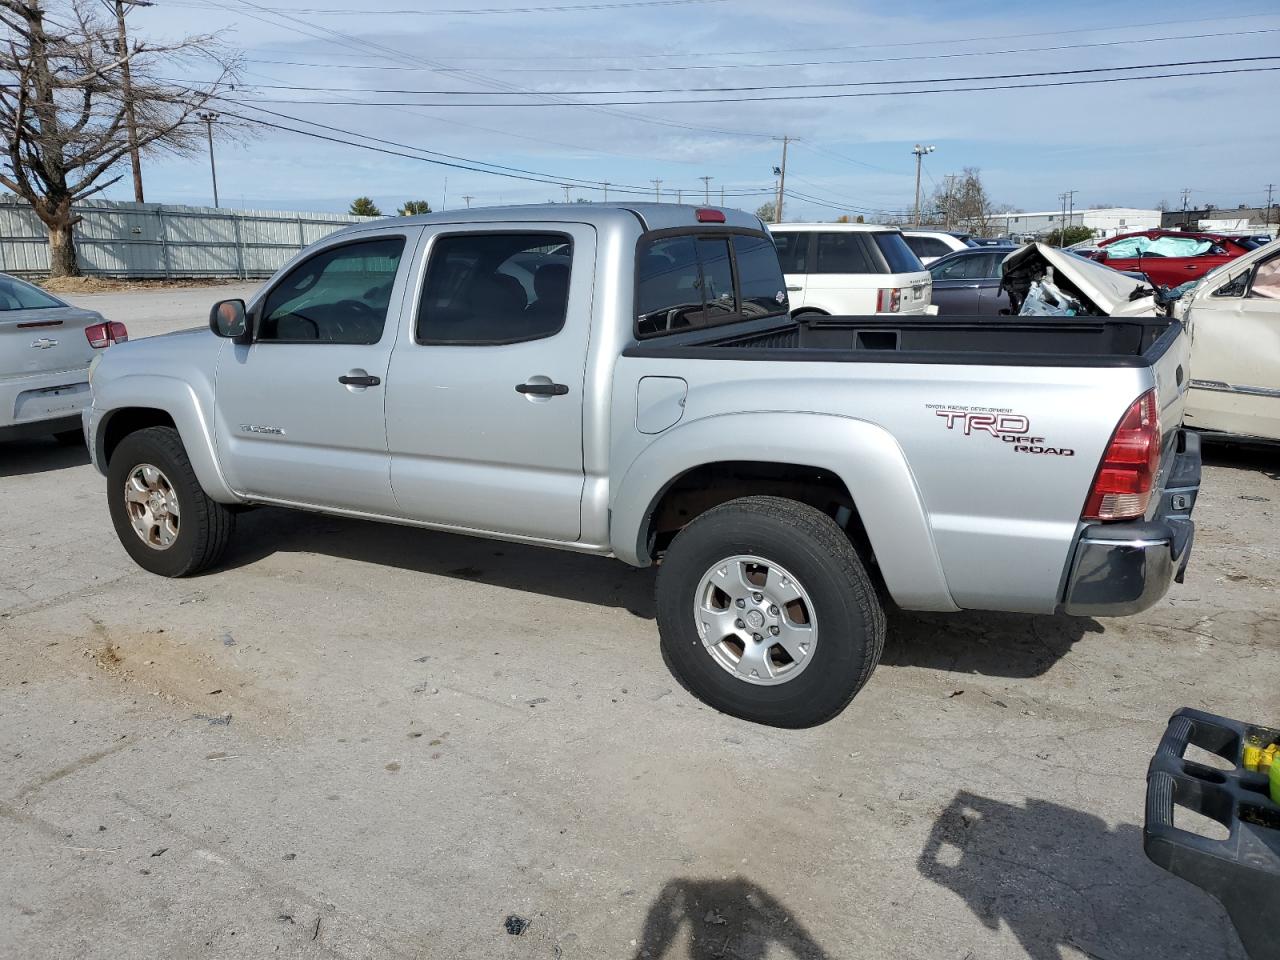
<point x="62" y="251"/>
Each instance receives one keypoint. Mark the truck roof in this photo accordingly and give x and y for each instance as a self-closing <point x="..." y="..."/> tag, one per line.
<point x="652" y="216"/>
<point x="836" y="227"/>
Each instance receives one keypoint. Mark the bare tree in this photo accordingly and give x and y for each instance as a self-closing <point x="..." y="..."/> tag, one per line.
<point x="970" y="206"/>
<point x="65" y="116"/>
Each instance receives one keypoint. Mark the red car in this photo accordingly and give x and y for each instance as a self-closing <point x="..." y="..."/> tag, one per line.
<point x="1169" y="257"/>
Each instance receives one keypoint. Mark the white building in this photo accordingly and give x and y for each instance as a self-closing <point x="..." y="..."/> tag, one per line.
<point x="1105" y="222"/>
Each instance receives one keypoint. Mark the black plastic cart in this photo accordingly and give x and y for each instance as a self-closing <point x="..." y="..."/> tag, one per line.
<point x="1242" y="871"/>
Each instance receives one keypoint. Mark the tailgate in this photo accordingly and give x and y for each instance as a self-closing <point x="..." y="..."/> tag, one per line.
<point x="44" y="341"/>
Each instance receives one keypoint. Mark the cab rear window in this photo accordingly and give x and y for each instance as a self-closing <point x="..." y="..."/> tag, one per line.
<point x="688" y="281"/>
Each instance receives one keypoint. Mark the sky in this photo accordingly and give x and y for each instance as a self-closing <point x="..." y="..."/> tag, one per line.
<point x="1136" y="143"/>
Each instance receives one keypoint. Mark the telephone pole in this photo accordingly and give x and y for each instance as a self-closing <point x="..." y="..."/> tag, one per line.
<point x="706" y="189"/>
<point x="1071" y="207"/>
<point x="781" y="174"/>
<point x="468" y="198"/>
<point x="920" y="153"/>
<point x="722" y="196"/>
<point x="1186" y="195"/>
<point x="605" y="184"/>
<point x="1270" y="188"/>
<point x="657" y="190"/>
<point x="679" y="196"/>
<point x="208" y="117"/>
<point x="566" y="192"/>
<point x="126" y="82"/>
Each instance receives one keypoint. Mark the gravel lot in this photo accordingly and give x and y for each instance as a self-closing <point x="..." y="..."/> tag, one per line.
<point x="367" y="741"/>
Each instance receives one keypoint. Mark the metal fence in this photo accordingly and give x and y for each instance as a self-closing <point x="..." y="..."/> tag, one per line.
<point x="120" y="239"/>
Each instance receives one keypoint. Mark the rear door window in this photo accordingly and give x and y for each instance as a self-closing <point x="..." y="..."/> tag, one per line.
<point x="495" y="288"/>
<point x="844" y="253"/>
<point x="793" y="251"/>
<point x="927" y="246"/>
<point x="896" y="253"/>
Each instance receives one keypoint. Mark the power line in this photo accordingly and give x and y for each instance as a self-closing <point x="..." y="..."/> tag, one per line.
<point x="473" y="11"/>
<point x="785" y="97"/>
<point x="756" y="88"/>
<point x="948" y="41"/>
<point x="1235" y="35"/>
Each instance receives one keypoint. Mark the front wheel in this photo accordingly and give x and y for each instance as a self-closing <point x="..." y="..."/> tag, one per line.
<point x="163" y="517"/>
<point x="766" y="612"/>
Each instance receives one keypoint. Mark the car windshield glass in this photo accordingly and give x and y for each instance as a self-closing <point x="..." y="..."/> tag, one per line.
<point x="17" y="295"/>
<point x="896" y="253"/>
<point x="1159" y="247"/>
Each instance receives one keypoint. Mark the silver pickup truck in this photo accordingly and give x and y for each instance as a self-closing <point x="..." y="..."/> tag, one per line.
<point x="628" y="382"/>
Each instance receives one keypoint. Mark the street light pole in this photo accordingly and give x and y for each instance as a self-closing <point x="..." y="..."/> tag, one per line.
<point x="919" y="152"/>
<point x="126" y="83"/>
<point x="209" y="117"/>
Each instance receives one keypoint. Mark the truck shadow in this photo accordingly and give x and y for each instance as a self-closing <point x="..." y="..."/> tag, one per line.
<point x="993" y="644"/>
<point x="39" y="455"/>
<point x="1066" y="885"/>
<point x="711" y="919"/>
<point x="1015" y="645"/>
<point x="540" y="570"/>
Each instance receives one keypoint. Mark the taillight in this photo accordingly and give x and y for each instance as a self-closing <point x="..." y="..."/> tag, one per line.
<point x="1127" y="474"/>
<point x="102" y="335"/>
<point x="889" y="300"/>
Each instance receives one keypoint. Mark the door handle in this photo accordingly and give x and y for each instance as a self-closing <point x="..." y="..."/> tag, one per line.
<point x="542" y="389"/>
<point x="795" y="289"/>
<point x="347" y="380"/>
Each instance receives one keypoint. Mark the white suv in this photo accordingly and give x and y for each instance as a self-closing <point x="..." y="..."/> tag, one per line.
<point x="929" y="245"/>
<point x="850" y="269"/>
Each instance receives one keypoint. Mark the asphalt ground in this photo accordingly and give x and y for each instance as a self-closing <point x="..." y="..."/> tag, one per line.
<point x="356" y="740"/>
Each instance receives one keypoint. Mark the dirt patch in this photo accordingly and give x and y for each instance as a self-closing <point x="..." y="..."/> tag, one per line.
<point x="180" y="673"/>
<point x="126" y="285"/>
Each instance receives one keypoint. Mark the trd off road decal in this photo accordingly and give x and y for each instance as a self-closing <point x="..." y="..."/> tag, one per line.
<point x="998" y="422"/>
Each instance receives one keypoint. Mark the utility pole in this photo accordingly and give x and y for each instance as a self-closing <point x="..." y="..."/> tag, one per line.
<point x="606" y="191"/>
<point x="657" y="190"/>
<point x="566" y="192"/>
<point x="706" y="189"/>
<point x="1062" y="218"/>
<point x="208" y="118"/>
<point x="722" y="196"/>
<point x="468" y="198"/>
<point x="1071" y="208"/>
<point x="920" y="153"/>
<point x="951" y="185"/>
<point x="679" y="196"/>
<point x="781" y="174"/>
<point x="126" y="78"/>
<point x="1186" y="195"/>
<point x="1270" y="188"/>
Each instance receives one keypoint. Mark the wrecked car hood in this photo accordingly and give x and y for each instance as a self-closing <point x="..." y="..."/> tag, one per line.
<point x="1107" y="291"/>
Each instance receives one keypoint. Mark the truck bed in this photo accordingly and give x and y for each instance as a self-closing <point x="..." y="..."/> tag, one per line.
<point x="1086" y="341"/>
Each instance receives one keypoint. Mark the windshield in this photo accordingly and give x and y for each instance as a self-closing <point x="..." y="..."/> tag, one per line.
<point x="896" y="253"/>
<point x="16" y="294"/>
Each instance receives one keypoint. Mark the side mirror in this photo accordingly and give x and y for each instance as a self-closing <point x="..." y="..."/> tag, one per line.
<point x="229" y="319"/>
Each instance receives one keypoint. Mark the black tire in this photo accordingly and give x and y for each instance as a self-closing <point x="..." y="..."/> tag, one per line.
<point x="70" y="438"/>
<point x="810" y="545"/>
<point x="204" y="525"/>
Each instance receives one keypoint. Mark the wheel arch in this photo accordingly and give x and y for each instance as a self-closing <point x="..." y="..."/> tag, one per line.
<point x="821" y="458"/>
<point x="133" y="403"/>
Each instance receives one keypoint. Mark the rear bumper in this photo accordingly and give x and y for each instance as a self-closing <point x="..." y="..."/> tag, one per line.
<point x="1124" y="568"/>
<point x="43" y="402"/>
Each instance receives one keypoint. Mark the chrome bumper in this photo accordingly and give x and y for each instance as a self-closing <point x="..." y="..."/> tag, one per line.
<point x="1124" y="568"/>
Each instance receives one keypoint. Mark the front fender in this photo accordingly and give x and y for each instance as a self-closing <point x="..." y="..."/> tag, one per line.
<point x="865" y="456"/>
<point x="180" y="400"/>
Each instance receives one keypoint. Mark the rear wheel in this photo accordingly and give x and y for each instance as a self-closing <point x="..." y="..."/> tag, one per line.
<point x="766" y="612"/>
<point x="163" y="517"/>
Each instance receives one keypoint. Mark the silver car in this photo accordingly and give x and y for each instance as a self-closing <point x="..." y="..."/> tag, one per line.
<point x="46" y="346"/>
